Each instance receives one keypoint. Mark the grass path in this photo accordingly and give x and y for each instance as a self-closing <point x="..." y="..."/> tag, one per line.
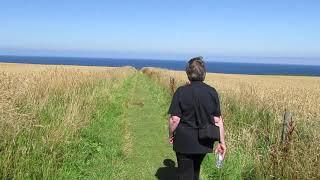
<point x="128" y="136"/>
<point x="146" y="145"/>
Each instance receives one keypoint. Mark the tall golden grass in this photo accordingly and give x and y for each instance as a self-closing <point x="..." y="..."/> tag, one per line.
<point x="42" y="107"/>
<point x="264" y="99"/>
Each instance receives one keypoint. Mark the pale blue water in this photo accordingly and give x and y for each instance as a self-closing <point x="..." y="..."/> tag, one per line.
<point x="218" y="67"/>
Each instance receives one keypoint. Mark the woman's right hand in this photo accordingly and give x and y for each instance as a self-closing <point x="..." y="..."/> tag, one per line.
<point x="221" y="148"/>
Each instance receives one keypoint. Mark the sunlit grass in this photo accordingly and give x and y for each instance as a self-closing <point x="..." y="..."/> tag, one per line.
<point x="253" y="108"/>
<point x="66" y="122"/>
<point x="44" y="111"/>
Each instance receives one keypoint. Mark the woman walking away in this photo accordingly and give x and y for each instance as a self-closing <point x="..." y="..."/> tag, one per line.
<point x="192" y="105"/>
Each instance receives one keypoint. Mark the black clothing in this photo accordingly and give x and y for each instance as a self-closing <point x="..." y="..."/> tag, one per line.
<point x="186" y="135"/>
<point x="189" y="165"/>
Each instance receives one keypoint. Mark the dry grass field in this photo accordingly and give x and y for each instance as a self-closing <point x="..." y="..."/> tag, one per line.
<point x="64" y="122"/>
<point x="20" y="83"/>
<point x="297" y="93"/>
<point x="253" y="107"/>
<point x="42" y="108"/>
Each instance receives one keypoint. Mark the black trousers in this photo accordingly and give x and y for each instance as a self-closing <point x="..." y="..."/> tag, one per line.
<point x="189" y="165"/>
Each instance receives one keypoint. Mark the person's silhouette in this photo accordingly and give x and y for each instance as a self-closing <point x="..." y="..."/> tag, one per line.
<point x="169" y="172"/>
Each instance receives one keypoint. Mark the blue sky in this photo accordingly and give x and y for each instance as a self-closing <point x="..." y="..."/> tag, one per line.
<point x="163" y="29"/>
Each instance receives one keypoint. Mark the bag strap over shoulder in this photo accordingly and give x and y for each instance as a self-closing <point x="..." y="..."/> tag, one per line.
<point x="196" y="108"/>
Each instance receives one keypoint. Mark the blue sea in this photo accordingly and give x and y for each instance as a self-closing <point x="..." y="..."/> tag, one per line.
<point x="217" y="67"/>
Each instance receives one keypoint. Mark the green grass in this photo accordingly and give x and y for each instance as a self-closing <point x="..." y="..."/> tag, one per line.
<point x="146" y="118"/>
<point x="251" y="132"/>
<point x="126" y="136"/>
<point x="72" y="134"/>
<point x="127" y="139"/>
<point x="98" y="152"/>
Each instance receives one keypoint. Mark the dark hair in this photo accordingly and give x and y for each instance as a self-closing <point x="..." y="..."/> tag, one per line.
<point x="195" y="69"/>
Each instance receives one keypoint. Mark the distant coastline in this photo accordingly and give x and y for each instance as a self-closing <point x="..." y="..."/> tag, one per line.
<point x="215" y="67"/>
